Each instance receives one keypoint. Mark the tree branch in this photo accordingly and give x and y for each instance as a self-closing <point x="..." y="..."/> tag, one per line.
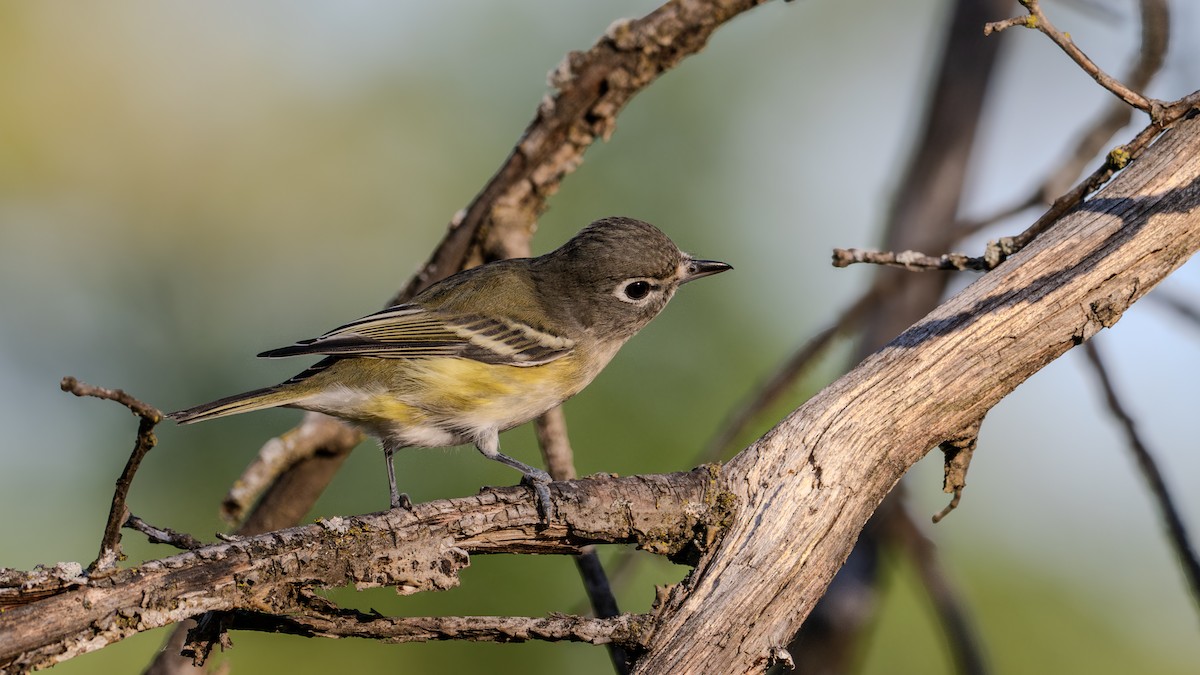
<point x="623" y="630"/>
<point x="52" y="616"/>
<point x="1037" y="19"/>
<point x="148" y="417"/>
<point x="591" y="88"/>
<point x="811" y="483"/>
<point x="1176" y="531"/>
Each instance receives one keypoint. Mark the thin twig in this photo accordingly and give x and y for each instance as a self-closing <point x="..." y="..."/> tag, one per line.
<point x="1176" y="531"/>
<point x="1155" y="31"/>
<point x="1155" y="22"/>
<point x="163" y="535"/>
<point x="148" y="417"/>
<point x="623" y="630"/>
<point x="1117" y="159"/>
<point x="1037" y="19"/>
<point x="142" y="410"/>
<point x="1000" y="250"/>
<point x="910" y="260"/>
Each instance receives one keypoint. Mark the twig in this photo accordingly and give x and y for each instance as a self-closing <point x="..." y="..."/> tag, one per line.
<point x="1155" y="34"/>
<point x="143" y="410"/>
<point x="1155" y="30"/>
<point x="163" y="535"/>
<point x="1117" y="159"/>
<point x="1155" y="22"/>
<point x="911" y="260"/>
<point x="959" y="452"/>
<point x="148" y="417"/>
<point x="622" y="630"/>
<point x="1037" y="19"/>
<point x="323" y="618"/>
<point x="1000" y="250"/>
<point x="1176" y="531"/>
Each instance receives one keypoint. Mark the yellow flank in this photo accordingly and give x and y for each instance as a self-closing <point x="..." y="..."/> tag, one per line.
<point x="387" y="407"/>
<point x="437" y="391"/>
<point x="488" y="394"/>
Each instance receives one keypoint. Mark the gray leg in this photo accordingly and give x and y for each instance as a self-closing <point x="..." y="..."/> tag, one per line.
<point x="537" y="478"/>
<point x="399" y="499"/>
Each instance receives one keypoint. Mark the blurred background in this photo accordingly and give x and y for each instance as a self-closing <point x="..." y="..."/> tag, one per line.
<point x="184" y="185"/>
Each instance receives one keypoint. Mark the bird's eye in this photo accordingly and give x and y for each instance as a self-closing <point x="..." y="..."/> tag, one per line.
<point x="637" y="290"/>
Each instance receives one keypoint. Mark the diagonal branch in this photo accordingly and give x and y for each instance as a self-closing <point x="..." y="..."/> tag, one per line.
<point x="811" y="483"/>
<point x="1176" y="531"/>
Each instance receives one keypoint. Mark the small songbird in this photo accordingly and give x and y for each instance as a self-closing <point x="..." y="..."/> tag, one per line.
<point x="486" y="349"/>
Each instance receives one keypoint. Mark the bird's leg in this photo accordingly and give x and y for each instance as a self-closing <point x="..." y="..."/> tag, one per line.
<point x="399" y="499"/>
<point x="536" y="478"/>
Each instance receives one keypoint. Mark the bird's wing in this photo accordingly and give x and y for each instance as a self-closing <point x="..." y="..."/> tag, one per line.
<point x="413" y="331"/>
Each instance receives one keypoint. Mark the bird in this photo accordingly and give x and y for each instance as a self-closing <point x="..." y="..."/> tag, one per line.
<point x="483" y="350"/>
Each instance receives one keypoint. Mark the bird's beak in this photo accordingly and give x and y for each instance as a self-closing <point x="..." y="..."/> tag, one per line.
<point x="703" y="268"/>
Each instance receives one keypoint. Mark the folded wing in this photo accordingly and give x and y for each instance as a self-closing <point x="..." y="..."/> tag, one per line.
<point x="412" y="331"/>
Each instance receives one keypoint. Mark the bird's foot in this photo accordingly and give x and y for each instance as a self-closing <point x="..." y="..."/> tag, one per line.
<point x="400" y="500"/>
<point x="538" y="480"/>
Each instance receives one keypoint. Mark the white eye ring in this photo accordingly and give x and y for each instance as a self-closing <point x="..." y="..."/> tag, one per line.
<point x="636" y="291"/>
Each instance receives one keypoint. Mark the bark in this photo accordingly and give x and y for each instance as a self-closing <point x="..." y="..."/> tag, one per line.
<point x="49" y="616"/>
<point x="803" y="491"/>
<point x="810" y="484"/>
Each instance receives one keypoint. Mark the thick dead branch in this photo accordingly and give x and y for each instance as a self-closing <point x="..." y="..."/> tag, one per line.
<point x="812" y="482"/>
<point x="53" y="615"/>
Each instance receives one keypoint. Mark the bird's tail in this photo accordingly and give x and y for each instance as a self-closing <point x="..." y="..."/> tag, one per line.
<point x="267" y="397"/>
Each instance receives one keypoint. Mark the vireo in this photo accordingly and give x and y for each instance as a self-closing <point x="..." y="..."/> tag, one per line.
<point x="486" y="349"/>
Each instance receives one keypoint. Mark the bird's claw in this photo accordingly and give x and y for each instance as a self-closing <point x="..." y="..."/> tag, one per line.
<point x="539" y="481"/>
<point x="400" y="500"/>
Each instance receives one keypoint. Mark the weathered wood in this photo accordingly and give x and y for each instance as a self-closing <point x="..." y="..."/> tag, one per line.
<point x="811" y="483"/>
<point x="51" y="617"/>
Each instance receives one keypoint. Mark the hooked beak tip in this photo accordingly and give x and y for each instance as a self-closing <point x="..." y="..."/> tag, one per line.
<point x="704" y="268"/>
